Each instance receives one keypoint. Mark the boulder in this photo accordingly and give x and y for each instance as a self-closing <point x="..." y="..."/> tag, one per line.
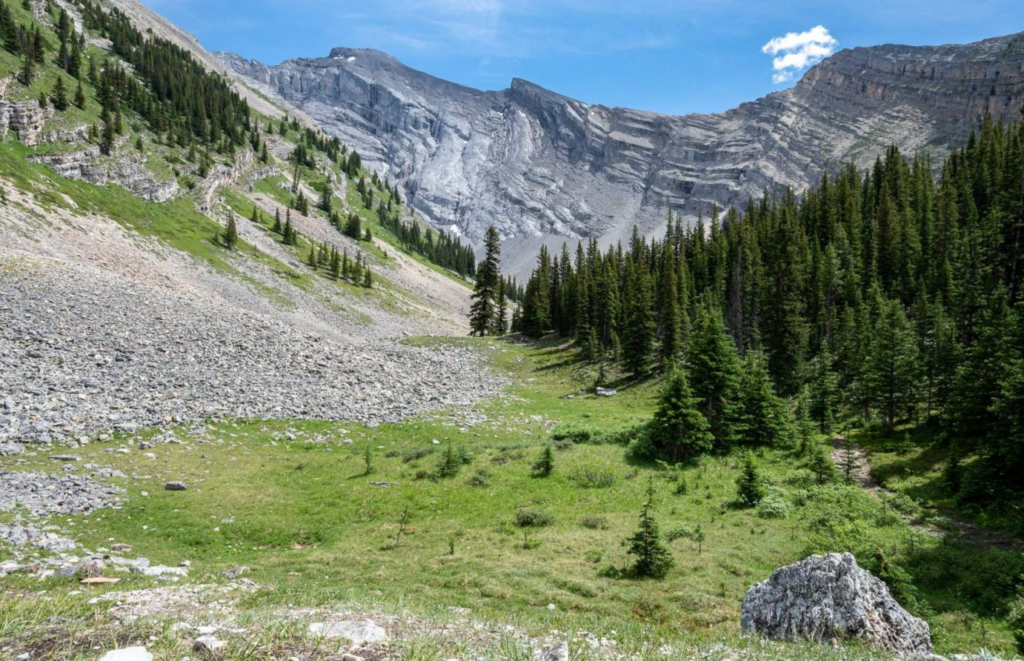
<point x="828" y="597"/>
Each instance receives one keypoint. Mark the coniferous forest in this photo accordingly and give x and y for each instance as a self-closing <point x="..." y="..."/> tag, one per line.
<point x="889" y="297"/>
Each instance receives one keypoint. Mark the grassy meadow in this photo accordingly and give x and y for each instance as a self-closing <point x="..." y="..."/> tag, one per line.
<point x="437" y="513"/>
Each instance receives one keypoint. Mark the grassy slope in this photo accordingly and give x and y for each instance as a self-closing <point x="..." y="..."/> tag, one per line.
<point x="309" y="522"/>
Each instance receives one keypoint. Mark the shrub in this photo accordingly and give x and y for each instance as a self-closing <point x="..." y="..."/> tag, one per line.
<point x="480" y="478"/>
<point x="679" y="532"/>
<point x="572" y="432"/>
<point x="903" y="504"/>
<point x="1016" y="622"/>
<point x="774" y="505"/>
<point x="531" y="518"/>
<point x="593" y="478"/>
<point x="594" y="522"/>
<point x="416" y="453"/>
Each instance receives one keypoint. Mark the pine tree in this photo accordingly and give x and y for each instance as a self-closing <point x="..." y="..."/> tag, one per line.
<point x="278" y="228"/>
<point x="230" y="235"/>
<point x="653" y="558"/>
<point x="679" y="430"/>
<point x="80" y="97"/>
<point x="750" y="488"/>
<point x="762" y="416"/>
<point x="483" y="312"/>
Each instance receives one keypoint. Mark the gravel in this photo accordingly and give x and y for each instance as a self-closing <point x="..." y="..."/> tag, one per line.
<point x="80" y="356"/>
<point x="44" y="495"/>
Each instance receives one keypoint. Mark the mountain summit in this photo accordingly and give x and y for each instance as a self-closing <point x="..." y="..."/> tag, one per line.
<point x="543" y="167"/>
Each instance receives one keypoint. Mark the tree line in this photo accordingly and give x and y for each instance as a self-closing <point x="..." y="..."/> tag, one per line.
<point x="890" y="295"/>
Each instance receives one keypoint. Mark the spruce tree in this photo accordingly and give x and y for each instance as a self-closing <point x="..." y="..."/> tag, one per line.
<point x="750" y="488"/>
<point x="484" y="310"/>
<point x="714" y="372"/>
<point x="892" y="369"/>
<point x="230" y="235"/>
<point x="60" y="95"/>
<point x="545" y="464"/>
<point x="825" y="395"/>
<point x="638" y="329"/>
<point x="762" y="416"/>
<point x="652" y="558"/>
<point x="679" y="430"/>
<point x="80" y="97"/>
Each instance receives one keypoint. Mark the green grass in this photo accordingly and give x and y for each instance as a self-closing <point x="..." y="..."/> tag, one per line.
<point x="310" y="523"/>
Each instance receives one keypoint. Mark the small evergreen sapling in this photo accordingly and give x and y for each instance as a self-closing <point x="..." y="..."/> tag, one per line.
<point x="750" y="485"/>
<point x="545" y="464"/>
<point x="653" y="558"/>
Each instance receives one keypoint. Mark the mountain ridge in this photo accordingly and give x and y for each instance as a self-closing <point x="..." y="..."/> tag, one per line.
<point x="545" y="168"/>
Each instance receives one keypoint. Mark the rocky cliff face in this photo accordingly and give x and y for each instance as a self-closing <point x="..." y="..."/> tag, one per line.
<point x="543" y="167"/>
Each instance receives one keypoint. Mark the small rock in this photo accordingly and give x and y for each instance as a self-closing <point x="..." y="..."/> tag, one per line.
<point x="175" y="486"/>
<point x="355" y="631"/>
<point x="236" y="572"/>
<point x="559" y="652"/>
<point x="208" y="645"/>
<point x="128" y="654"/>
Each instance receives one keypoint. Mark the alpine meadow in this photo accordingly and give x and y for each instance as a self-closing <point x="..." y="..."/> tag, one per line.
<point x="338" y="360"/>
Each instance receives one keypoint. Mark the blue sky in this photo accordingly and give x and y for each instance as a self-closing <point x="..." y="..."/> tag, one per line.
<point x="666" y="56"/>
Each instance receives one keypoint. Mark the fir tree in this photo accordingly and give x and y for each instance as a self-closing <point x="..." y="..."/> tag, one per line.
<point x="80" y="97"/>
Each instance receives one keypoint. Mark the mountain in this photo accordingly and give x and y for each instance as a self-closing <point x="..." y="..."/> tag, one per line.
<point x="543" y="167"/>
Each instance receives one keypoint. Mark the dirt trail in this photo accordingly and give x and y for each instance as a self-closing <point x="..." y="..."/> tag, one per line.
<point x="860" y="473"/>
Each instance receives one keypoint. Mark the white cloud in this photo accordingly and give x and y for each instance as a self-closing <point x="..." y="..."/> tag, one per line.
<point x="796" y="51"/>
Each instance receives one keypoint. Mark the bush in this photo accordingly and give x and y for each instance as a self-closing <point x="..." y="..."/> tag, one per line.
<point x="594" y="522"/>
<point x="1016" y="622"/>
<point x="904" y="504"/>
<point x="774" y="505"/>
<point x="572" y="432"/>
<point x="679" y="532"/>
<point x="593" y="478"/>
<point x="480" y="479"/>
<point x="530" y="518"/>
<point x="416" y="453"/>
